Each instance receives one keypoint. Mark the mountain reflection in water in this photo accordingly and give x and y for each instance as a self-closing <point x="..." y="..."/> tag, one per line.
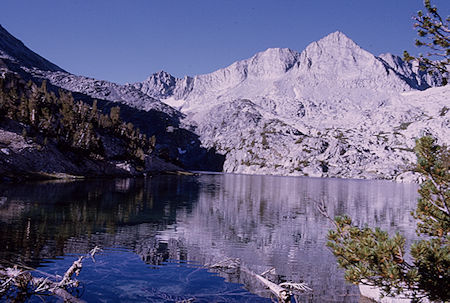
<point x="264" y="221"/>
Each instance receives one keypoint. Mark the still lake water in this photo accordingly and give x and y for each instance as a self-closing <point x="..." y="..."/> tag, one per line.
<point x="157" y="234"/>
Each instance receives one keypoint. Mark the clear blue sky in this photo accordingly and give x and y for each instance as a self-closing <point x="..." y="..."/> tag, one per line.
<point x="125" y="41"/>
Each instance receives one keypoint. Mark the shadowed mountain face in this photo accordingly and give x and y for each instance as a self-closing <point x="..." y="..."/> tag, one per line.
<point x="174" y="142"/>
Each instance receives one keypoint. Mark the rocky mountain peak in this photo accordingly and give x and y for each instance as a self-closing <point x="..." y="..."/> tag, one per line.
<point x="336" y="49"/>
<point x="338" y="38"/>
<point x="159" y="84"/>
<point x="266" y="65"/>
<point x="336" y="61"/>
<point x="272" y="62"/>
<point x="161" y="80"/>
<point x="161" y="76"/>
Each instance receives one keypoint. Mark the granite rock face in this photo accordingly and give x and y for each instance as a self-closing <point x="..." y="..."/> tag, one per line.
<point x="333" y="109"/>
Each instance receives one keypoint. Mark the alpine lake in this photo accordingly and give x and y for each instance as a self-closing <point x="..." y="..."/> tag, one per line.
<point x="163" y="237"/>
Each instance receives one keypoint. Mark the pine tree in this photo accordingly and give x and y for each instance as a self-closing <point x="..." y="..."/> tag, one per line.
<point x="23" y="113"/>
<point x="434" y="34"/>
<point x="45" y="119"/>
<point x="114" y="115"/>
<point x="32" y="109"/>
<point x="370" y="256"/>
<point x="94" y="112"/>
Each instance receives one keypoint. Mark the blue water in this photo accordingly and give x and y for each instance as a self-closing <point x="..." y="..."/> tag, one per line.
<point x="162" y="235"/>
<point x="119" y="275"/>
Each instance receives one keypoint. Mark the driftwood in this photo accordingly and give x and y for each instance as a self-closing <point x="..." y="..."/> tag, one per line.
<point x="282" y="294"/>
<point x="25" y="283"/>
<point x="22" y="279"/>
<point x="282" y="291"/>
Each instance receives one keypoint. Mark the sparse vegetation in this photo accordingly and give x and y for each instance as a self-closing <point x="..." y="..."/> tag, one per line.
<point x="299" y="140"/>
<point x="264" y="141"/>
<point x="246" y="162"/>
<point x="340" y="137"/>
<point x="303" y="163"/>
<point x="404" y="125"/>
<point x="402" y="148"/>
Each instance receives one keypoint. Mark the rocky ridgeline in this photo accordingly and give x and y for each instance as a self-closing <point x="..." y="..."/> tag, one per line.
<point x="104" y="90"/>
<point x="332" y="110"/>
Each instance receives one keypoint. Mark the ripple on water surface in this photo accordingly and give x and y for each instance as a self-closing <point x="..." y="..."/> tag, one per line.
<point x="159" y="233"/>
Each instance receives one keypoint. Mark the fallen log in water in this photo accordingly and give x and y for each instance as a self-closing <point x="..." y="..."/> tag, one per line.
<point x="282" y="291"/>
<point x="20" y="281"/>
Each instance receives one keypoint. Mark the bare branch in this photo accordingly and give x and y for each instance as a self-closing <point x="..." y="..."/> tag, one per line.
<point x="322" y="208"/>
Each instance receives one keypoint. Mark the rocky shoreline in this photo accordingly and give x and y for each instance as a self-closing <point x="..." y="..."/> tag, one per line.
<point x="22" y="158"/>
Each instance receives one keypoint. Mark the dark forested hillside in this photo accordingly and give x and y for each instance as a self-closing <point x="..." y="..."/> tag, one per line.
<point x="47" y="131"/>
<point x="71" y="125"/>
<point x="44" y="133"/>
